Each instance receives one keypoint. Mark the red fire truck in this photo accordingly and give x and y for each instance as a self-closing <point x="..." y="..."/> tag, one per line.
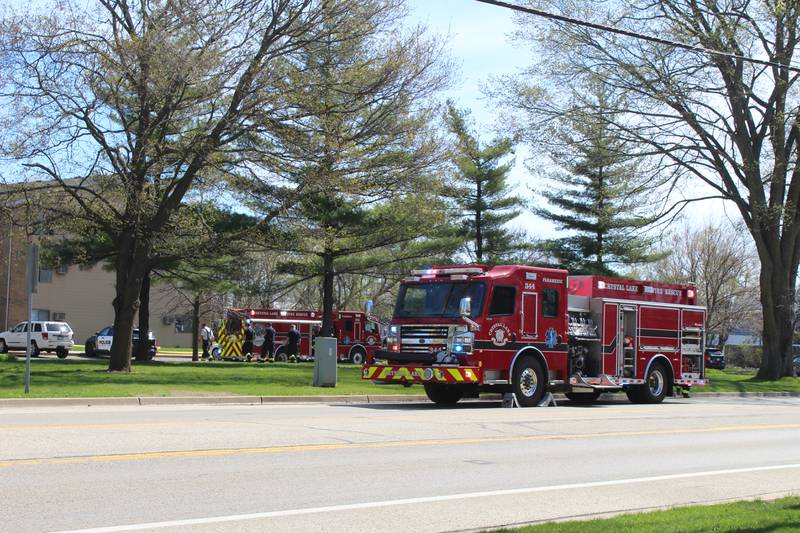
<point x="358" y="334"/>
<point x="462" y="330"/>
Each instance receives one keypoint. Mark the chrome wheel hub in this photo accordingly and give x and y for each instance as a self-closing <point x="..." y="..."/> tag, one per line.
<point x="656" y="382"/>
<point x="528" y="383"/>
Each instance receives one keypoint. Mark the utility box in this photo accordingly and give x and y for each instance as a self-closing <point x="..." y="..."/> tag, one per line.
<point x="325" y="362"/>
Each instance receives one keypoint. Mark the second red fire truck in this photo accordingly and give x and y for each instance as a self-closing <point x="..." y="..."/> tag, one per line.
<point x="358" y="334"/>
<point x="462" y="330"/>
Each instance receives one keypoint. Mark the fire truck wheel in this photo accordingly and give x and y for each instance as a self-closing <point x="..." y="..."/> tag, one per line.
<point x="583" y="397"/>
<point x="443" y="394"/>
<point x="656" y="386"/>
<point x="358" y="356"/>
<point x="528" y="381"/>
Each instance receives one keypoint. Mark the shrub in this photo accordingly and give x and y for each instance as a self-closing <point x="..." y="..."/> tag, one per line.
<point x="743" y="355"/>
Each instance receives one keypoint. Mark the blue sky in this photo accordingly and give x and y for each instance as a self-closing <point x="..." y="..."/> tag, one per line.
<point x="479" y="43"/>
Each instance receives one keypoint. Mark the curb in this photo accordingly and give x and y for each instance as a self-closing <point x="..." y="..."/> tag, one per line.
<point x="329" y="399"/>
<point x="210" y="400"/>
<point x="745" y="394"/>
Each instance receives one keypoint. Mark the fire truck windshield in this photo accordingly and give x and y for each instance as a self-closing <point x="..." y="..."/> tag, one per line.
<point x="437" y="299"/>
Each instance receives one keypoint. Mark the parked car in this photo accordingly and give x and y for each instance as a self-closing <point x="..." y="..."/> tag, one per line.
<point x="46" y="336"/>
<point x="100" y="343"/>
<point x="715" y="358"/>
<point x="796" y="365"/>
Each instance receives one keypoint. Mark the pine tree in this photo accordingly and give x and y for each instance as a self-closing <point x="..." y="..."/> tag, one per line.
<point x="598" y="194"/>
<point x="480" y="193"/>
<point x="360" y="156"/>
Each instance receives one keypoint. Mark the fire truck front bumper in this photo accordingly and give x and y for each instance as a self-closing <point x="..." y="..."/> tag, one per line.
<point x="464" y="375"/>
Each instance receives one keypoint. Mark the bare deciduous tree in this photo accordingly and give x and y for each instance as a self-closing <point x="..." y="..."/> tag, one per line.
<point x="124" y="106"/>
<point x="720" y="123"/>
<point x="723" y="265"/>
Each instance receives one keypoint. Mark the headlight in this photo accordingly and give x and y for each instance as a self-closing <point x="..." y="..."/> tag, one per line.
<point x="393" y="342"/>
<point x="462" y="342"/>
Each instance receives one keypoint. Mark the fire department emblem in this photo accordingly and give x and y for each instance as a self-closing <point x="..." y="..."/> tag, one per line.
<point x="370" y="340"/>
<point x="499" y="334"/>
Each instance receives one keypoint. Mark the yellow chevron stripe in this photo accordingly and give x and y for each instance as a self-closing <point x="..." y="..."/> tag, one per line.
<point x="456" y="374"/>
<point x="404" y="373"/>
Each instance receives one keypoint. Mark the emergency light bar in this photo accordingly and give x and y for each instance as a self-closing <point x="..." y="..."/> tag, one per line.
<point x="285" y="321"/>
<point x="447" y="271"/>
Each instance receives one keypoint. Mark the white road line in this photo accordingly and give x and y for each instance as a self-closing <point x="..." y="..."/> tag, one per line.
<point x="427" y="499"/>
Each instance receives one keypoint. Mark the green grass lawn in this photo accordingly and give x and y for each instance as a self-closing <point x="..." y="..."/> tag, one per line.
<point x="780" y="515"/>
<point x="70" y="378"/>
<point x="51" y="377"/>
<point x="743" y="380"/>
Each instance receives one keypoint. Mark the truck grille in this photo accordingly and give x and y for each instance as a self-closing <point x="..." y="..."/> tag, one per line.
<point x="420" y="339"/>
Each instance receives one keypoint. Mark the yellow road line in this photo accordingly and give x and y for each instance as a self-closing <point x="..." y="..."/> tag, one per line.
<point x="391" y="444"/>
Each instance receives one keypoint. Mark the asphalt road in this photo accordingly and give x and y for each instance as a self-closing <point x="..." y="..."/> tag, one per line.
<point x="383" y="468"/>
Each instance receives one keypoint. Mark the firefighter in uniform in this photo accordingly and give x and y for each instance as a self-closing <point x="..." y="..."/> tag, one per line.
<point x="268" y="348"/>
<point x="292" y="343"/>
<point x="249" y="335"/>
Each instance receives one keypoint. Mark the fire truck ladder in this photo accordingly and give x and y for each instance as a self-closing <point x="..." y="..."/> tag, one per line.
<point x="628" y="323"/>
<point x="628" y="360"/>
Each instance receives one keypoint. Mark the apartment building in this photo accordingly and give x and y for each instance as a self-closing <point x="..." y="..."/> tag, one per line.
<point x="81" y="297"/>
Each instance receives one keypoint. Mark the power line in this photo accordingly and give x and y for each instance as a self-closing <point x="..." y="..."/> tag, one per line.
<point x="611" y="29"/>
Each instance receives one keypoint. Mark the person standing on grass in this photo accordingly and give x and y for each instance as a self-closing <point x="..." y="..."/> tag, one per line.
<point x="207" y="336"/>
<point x="268" y="348"/>
<point x="292" y="343"/>
<point x="249" y="335"/>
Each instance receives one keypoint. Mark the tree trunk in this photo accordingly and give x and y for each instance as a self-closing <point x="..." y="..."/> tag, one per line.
<point x="478" y="224"/>
<point x="131" y="267"/>
<point x="777" y="306"/>
<point x="195" y="327"/>
<point x="327" y="294"/>
<point x="144" y="320"/>
<point x="143" y="346"/>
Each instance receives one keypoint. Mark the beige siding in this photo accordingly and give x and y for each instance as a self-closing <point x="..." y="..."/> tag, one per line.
<point x="85" y="297"/>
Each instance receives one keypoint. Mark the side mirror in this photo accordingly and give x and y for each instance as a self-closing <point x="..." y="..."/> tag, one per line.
<point x="369" y="307"/>
<point x="465" y="306"/>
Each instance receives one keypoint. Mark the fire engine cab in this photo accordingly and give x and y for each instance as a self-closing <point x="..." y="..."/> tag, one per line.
<point x="462" y="330"/>
<point x="358" y="334"/>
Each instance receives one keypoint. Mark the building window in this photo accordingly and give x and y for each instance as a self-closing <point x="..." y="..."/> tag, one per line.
<point x="40" y="315"/>
<point x="550" y="302"/>
<point x="183" y="324"/>
<point x="45" y="275"/>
